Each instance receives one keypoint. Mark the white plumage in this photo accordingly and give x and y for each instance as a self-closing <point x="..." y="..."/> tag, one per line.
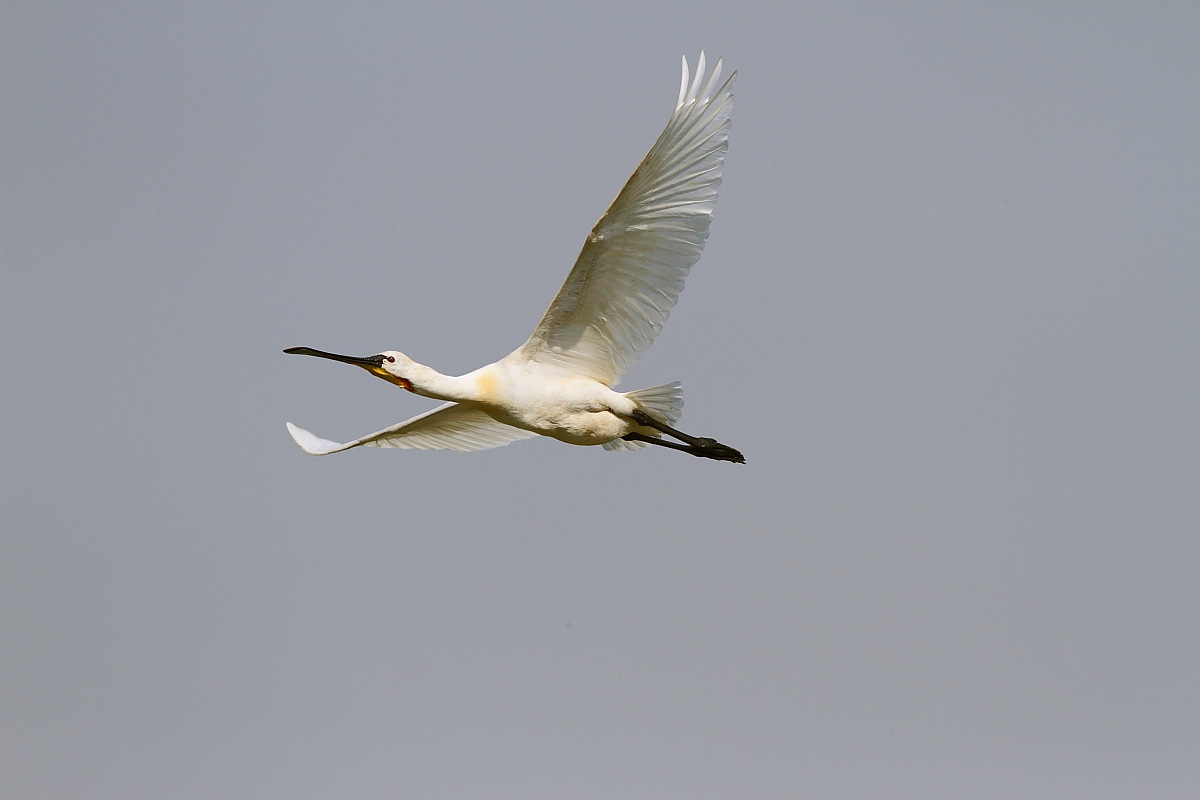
<point x="614" y="302"/>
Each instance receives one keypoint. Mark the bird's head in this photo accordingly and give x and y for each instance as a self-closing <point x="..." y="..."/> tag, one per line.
<point x="391" y="365"/>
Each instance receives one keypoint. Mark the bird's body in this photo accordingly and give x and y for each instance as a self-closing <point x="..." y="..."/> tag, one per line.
<point x="515" y="391"/>
<point x="573" y="410"/>
<point x="615" y="300"/>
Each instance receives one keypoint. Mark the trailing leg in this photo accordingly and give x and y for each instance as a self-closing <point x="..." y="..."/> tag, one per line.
<point x="719" y="453"/>
<point x="695" y="445"/>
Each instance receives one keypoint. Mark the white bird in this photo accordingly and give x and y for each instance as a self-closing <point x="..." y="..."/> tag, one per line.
<point x="614" y="302"/>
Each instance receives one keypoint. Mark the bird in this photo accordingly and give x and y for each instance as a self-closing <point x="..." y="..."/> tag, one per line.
<point x="617" y="296"/>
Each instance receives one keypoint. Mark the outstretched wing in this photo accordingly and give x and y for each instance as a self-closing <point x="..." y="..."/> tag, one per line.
<point x="632" y="267"/>
<point x="448" y="427"/>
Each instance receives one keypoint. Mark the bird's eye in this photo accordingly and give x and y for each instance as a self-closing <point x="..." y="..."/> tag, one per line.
<point x="390" y="359"/>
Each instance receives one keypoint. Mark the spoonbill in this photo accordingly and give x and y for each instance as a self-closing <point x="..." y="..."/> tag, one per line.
<point x="612" y="305"/>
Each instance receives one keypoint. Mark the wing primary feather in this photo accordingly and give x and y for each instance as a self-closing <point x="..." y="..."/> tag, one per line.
<point x="683" y="84"/>
<point x="707" y="91"/>
<point x="696" y="80"/>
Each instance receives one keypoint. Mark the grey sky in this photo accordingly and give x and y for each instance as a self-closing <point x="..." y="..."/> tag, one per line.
<point x="948" y="311"/>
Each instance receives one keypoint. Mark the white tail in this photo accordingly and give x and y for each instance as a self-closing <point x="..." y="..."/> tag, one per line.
<point x="664" y="403"/>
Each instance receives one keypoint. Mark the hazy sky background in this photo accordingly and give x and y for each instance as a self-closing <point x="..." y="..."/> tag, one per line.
<point x="948" y="310"/>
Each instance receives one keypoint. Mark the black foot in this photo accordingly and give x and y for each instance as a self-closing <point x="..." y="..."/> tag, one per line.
<point x="706" y="448"/>
<point x="720" y="452"/>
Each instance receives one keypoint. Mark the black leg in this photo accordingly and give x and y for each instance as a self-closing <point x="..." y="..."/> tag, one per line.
<point x="695" y="445"/>
<point x="641" y="437"/>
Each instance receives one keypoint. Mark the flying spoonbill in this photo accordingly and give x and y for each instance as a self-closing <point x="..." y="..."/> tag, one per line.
<point x="614" y="302"/>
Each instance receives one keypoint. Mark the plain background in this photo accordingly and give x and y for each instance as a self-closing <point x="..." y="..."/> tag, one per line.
<point x="948" y="310"/>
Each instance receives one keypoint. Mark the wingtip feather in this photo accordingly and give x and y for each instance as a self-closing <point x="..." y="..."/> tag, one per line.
<point x="699" y="87"/>
<point x="313" y="444"/>
<point x="683" y="84"/>
<point x="699" y="76"/>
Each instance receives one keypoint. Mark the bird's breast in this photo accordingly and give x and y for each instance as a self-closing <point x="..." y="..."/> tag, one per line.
<point x="487" y="387"/>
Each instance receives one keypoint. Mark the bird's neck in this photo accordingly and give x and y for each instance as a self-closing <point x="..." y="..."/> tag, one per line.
<point x="428" y="382"/>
